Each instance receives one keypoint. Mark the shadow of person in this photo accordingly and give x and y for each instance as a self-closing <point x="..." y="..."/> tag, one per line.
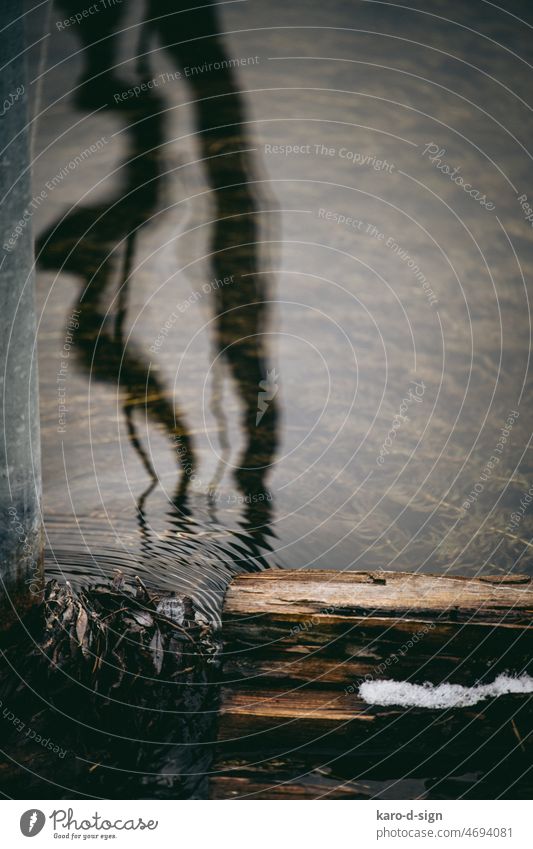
<point x="99" y="33"/>
<point x="97" y="243"/>
<point x="192" y="38"/>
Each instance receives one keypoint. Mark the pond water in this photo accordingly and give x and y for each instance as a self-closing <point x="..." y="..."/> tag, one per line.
<point x="283" y="289"/>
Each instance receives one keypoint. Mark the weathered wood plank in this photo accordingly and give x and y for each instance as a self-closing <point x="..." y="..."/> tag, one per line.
<point x="297" y="645"/>
<point x="361" y="594"/>
<point x="256" y="785"/>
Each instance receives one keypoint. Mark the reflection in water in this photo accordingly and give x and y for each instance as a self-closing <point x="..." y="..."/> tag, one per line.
<point x="98" y="243"/>
<point x="342" y="108"/>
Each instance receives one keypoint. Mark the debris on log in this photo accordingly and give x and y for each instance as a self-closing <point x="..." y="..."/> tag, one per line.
<point x="298" y="645"/>
<point x="105" y="693"/>
<point x="114" y="691"/>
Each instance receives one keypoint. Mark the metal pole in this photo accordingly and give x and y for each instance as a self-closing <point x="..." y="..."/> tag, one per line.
<point x="20" y="467"/>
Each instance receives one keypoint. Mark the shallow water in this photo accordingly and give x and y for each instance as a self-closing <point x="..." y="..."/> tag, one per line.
<point x="192" y="256"/>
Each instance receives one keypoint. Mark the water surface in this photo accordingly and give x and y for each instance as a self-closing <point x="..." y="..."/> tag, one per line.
<point x="286" y="336"/>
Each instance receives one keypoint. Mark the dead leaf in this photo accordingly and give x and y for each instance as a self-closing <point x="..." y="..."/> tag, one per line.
<point x="142" y="618"/>
<point x="156" y="647"/>
<point x="81" y="625"/>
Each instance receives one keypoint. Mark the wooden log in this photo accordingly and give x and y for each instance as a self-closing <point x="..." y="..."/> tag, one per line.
<point x="297" y="647"/>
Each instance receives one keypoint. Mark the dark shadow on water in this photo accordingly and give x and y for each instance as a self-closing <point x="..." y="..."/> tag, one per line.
<point x="97" y="244"/>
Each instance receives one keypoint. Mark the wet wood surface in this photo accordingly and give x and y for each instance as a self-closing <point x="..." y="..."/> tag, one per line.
<point x="297" y="646"/>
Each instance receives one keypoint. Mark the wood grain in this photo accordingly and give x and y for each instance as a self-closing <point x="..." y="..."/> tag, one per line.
<point x="296" y="647"/>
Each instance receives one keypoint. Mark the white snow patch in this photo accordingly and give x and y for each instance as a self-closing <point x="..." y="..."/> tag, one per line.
<point x="442" y="696"/>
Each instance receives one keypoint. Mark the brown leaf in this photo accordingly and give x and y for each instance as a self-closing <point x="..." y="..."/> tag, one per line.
<point x="156" y="647"/>
<point x="142" y="618"/>
<point x="81" y="625"/>
<point x="69" y="611"/>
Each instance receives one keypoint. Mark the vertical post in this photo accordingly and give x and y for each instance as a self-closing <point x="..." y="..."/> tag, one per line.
<point x="20" y="466"/>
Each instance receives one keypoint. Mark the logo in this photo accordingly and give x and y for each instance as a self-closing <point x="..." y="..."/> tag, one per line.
<point x="270" y="390"/>
<point x="32" y="822"/>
